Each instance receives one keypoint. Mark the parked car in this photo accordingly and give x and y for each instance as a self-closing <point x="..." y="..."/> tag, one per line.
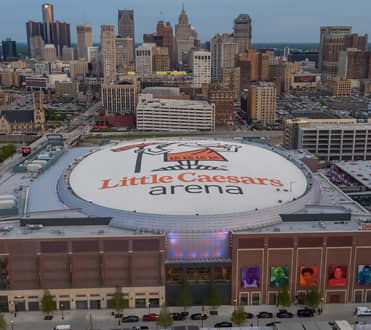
<point x="185" y="314"/>
<point x="178" y="316"/>
<point x="249" y="315"/>
<point x="304" y="312"/>
<point x="224" y="324"/>
<point x="264" y="315"/>
<point x="272" y="324"/>
<point x="198" y="316"/>
<point x="130" y="318"/>
<point x="150" y="317"/>
<point x="284" y="314"/>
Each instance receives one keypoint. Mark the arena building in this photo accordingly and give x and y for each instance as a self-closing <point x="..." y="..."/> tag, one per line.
<point x="151" y="215"/>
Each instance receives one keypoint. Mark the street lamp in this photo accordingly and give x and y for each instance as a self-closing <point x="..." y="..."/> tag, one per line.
<point x="149" y="307"/>
<point x="62" y="311"/>
<point x="12" y="323"/>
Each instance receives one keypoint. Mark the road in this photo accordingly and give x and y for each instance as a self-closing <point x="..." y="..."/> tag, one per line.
<point x="102" y="319"/>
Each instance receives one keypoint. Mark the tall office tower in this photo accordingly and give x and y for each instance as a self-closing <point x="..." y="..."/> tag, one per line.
<point x="332" y="41"/>
<point x="224" y="49"/>
<point x="94" y="59"/>
<point x="124" y="55"/>
<point x="166" y="32"/>
<point x="68" y="54"/>
<point x="356" y="41"/>
<point x="9" y="50"/>
<point x="108" y="44"/>
<point x="61" y="36"/>
<point x="242" y="32"/>
<point x="84" y="40"/>
<point x="231" y="80"/>
<point x="185" y="37"/>
<point x="153" y="38"/>
<point x="50" y="53"/>
<point x="284" y="72"/>
<point x="48" y="19"/>
<point x="261" y="104"/>
<point x="160" y="59"/>
<point x="354" y="63"/>
<point x="33" y="29"/>
<point x="36" y="45"/>
<point x="143" y="59"/>
<point x="200" y="64"/>
<point x="126" y="26"/>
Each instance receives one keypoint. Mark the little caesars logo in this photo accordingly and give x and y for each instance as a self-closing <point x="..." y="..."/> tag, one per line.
<point x="190" y="161"/>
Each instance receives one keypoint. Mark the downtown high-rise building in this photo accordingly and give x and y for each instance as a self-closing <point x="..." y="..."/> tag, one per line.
<point x="144" y="60"/>
<point x="165" y="30"/>
<point x="242" y="32"/>
<point x="200" y="63"/>
<point x="224" y="50"/>
<point x="84" y="40"/>
<point x="47" y="11"/>
<point x="124" y="55"/>
<point x="125" y="24"/>
<point x="108" y="44"/>
<point x="9" y="47"/>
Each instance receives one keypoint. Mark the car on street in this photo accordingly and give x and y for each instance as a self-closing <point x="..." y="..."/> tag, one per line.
<point x="178" y="316"/>
<point x="304" y="312"/>
<point x="272" y="324"/>
<point x="264" y="315"/>
<point x="224" y="324"/>
<point x="130" y="318"/>
<point x="284" y="314"/>
<point x="198" y="316"/>
<point x="249" y="315"/>
<point x="150" y="317"/>
<point x="185" y="314"/>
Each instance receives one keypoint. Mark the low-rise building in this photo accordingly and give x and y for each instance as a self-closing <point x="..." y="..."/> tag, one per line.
<point x="67" y="88"/>
<point x="340" y="87"/>
<point x="174" y="115"/>
<point x="223" y="100"/>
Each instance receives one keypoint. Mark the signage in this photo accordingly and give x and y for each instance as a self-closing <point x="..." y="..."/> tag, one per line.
<point x="26" y="151"/>
<point x="304" y="79"/>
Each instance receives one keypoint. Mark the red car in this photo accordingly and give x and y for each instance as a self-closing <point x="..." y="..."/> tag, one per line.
<point x="150" y="317"/>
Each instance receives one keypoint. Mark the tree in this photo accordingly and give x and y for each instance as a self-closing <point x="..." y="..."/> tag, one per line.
<point x="313" y="298"/>
<point x="3" y="325"/>
<point x="214" y="299"/>
<point x="164" y="319"/>
<point x="185" y="298"/>
<point x="48" y="305"/>
<point x="284" y="299"/>
<point x="118" y="301"/>
<point x="238" y="316"/>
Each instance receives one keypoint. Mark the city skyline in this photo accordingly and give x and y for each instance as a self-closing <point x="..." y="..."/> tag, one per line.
<point x="295" y="24"/>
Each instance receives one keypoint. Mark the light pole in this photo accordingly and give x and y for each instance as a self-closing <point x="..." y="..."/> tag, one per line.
<point x="12" y="323"/>
<point x="62" y="306"/>
<point x="149" y="307"/>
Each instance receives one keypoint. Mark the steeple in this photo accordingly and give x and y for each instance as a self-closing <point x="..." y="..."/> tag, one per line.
<point x="183" y="18"/>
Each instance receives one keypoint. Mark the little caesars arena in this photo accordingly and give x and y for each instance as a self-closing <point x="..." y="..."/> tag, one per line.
<point x="150" y="215"/>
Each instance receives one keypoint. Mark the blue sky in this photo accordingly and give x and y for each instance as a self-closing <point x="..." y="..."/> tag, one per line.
<point x="273" y="20"/>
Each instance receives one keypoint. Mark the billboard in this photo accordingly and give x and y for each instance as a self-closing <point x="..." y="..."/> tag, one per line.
<point x="364" y="275"/>
<point x="304" y="79"/>
<point x="337" y="275"/>
<point x="308" y="276"/>
<point x="250" y="277"/>
<point x="279" y="277"/>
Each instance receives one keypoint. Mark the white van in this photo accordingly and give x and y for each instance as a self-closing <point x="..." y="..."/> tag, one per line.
<point x="63" y="327"/>
<point x="363" y="311"/>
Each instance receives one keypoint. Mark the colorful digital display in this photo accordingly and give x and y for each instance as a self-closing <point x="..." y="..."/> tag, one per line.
<point x="250" y="277"/>
<point x="308" y="276"/>
<point x="279" y="277"/>
<point x="299" y="79"/>
<point x="337" y="275"/>
<point x="364" y="275"/>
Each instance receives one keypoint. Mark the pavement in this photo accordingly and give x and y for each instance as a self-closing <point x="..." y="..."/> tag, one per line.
<point x="103" y="319"/>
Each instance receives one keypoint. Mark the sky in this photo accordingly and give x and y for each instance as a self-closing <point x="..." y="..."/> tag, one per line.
<point x="272" y="20"/>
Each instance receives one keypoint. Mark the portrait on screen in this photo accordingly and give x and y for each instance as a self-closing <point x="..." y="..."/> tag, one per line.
<point x="364" y="275"/>
<point x="337" y="275"/>
<point x="250" y="277"/>
<point x="279" y="277"/>
<point x="308" y="276"/>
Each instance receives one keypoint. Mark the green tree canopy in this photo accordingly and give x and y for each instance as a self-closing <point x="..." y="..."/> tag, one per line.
<point x="284" y="299"/>
<point x="214" y="298"/>
<point x="164" y="319"/>
<point x="185" y="298"/>
<point x="313" y="298"/>
<point x="48" y="304"/>
<point x="118" y="301"/>
<point x="238" y="316"/>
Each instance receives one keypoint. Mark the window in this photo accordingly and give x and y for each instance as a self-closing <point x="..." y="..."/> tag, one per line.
<point x="244" y="300"/>
<point x="198" y="274"/>
<point x="368" y="296"/>
<point x="222" y="273"/>
<point x="174" y="275"/>
<point x="255" y="299"/>
<point x="358" y="297"/>
<point x="154" y="302"/>
<point x="140" y="303"/>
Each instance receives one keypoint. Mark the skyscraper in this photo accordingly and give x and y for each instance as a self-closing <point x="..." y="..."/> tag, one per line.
<point x="84" y="40"/>
<point x="201" y="68"/>
<point x="9" y="50"/>
<point x="166" y="31"/>
<point x="48" y="19"/>
<point x="143" y="59"/>
<point x="126" y="23"/>
<point x="242" y="32"/>
<point x="33" y="29"/>
<point x="224" y="49"/>
<point x="108" y="44"/>
<point x="37" y="47"/>
<point x="124" y="55"/>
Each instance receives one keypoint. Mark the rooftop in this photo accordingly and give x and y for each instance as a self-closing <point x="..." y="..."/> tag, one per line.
<point x="358" y="170"/>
